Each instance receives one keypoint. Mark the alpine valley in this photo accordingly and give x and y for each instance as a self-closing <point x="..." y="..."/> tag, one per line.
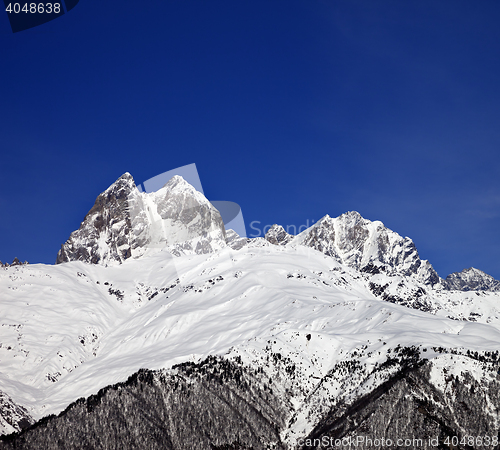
<point x="157" y="328"/>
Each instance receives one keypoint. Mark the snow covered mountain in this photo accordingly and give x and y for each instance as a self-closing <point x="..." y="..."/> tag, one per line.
<point x="236" y="343"/>
<point x="390" y="262"/>
<point x="363" y="245"/>
<point x="126" y="223"/>
<point x="472" y="280"/>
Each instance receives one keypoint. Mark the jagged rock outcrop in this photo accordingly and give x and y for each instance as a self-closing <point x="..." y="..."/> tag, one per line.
<point x="278" y="236"/>
<point x="105" y="233"/>
<point x="125" y="223"/>
<point x="472" y="280"/>
<point x="13" y="417"/>
<point x="235" y="241"/>
<point x="361" y="244"/>
<point x="15" y="262"/>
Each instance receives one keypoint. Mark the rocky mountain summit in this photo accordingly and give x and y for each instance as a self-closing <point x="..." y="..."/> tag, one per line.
<point x="15" y="262"/>
<point x="372" y="248"/>
<point x="278" y="236"/>
<point x="125" y="223"/>
<point x="361" y="244"/>
<point x="472" y="280"/>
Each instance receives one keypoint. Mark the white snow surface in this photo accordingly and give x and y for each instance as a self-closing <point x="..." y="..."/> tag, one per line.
<point x="68" y="330"/>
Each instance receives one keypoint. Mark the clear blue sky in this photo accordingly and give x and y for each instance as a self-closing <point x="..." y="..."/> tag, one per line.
<point x="293" y="109"/>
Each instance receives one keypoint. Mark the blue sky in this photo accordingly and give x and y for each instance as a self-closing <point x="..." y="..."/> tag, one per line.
<point x="292" y="109"/>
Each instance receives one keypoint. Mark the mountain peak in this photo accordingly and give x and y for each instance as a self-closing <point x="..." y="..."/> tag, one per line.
<point x="177" y="180"/>
<point x="360" y="243"/>
<point x="127" y="176"/>
<point x="278" y="236"/>
<point x="472" y="279"/>
<point x="125" y="180"/>
<point x="352" y="215"/>
<point x="124" y="222"/>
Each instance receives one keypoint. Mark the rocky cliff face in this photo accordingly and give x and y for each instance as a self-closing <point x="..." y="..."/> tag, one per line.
<point x="105" y="233"/>
<point x="126" y="223"/>
<point x="472" y="280"/>
<point x="278" y="236"/>
<point x="362" y="245"/>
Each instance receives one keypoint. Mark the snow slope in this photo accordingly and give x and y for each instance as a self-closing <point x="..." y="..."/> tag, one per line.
<point x="68" y="330"/>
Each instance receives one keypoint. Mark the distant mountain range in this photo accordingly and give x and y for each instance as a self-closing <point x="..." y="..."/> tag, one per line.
<point x="158" y="328"/>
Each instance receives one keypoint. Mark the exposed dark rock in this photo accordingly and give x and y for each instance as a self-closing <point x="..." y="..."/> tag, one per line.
<point x="415" y="298"/>
<point x="373" y="269"/>
<point x="278" y="236"/>
<point x="13" y="417"/>
<point x="123" y="221"/>
<point x="108" y="217"/>
<point x="472" y="280"/>
<point x="15" y="262"/>
<point x="235" y="241"/>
